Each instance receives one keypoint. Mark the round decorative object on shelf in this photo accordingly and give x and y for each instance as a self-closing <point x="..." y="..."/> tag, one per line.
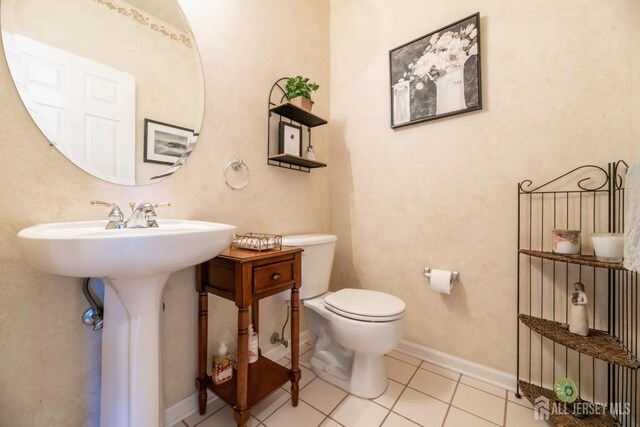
<point x="565" y="390"/>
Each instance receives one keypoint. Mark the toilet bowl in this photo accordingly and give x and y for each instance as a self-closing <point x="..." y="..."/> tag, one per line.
<point x="351" y="329"/>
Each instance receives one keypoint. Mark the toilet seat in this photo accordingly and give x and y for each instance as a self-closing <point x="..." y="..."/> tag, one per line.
<point x="365" y="305"/>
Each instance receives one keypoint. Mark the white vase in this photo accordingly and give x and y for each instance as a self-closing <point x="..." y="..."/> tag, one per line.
<point x="450" y="92"/>
<point x="401" y="102"/>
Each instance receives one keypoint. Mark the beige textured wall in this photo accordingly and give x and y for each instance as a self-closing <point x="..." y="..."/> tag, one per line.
<point x="635" y="90"/>
<point x="443" y="194"/>
<point x="49" y="361"/>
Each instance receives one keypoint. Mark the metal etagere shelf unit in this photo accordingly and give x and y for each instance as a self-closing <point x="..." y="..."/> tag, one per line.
<point x="278" y="110"/>
<point x="604" y="365"/>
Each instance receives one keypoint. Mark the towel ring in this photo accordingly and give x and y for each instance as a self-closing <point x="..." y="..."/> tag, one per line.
<point x="236" y="165"/>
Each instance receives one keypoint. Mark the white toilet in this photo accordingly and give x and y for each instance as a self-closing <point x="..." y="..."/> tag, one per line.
<point x="351" y="329"/>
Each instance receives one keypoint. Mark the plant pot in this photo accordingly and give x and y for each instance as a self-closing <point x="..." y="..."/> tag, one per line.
<point x="302" y="102"/>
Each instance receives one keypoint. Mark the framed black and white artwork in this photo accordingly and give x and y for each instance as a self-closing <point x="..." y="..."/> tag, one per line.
<point x="165" y="143"/>
<point x="290" y="139"/>
<point x="437" y="75"/>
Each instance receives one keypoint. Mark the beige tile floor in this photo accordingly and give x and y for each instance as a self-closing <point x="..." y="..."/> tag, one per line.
<point x="419" y="394"/>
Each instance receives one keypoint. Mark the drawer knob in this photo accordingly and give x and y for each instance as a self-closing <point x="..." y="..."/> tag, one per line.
<point x="275" y="276"/>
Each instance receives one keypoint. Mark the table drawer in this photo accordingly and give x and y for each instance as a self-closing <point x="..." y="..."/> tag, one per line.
<point x="271" y="276"/>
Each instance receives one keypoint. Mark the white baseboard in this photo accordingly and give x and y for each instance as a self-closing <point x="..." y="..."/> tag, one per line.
<point x="466" y="367"/>
<point x="189" y="406"/>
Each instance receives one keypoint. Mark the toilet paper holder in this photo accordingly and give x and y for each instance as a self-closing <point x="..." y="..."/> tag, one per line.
<point x="454" y="274"/>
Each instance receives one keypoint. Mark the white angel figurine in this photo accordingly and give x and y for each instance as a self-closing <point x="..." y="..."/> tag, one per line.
<point x="578" y="318"/>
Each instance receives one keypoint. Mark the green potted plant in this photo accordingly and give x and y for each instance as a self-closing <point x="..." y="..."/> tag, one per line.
<point x="299" y="92"/>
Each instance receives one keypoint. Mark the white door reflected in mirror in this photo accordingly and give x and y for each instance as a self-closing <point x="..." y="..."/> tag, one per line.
<point x="93" y="76"/>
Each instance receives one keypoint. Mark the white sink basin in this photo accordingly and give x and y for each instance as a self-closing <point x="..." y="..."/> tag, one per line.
<point x="86" y="249"/>
<point x="135" y="265"/>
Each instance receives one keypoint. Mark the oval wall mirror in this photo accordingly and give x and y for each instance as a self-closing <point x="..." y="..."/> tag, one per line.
<point x="116" y="86"/>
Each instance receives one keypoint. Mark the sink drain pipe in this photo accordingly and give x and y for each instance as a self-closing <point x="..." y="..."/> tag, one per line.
<point x="93" y="315"/>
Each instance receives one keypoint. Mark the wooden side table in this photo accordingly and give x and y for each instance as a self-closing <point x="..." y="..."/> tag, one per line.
<point x="245" y="277"/>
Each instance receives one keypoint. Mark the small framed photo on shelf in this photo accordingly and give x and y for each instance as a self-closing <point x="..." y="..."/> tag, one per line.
<point x="164" y="143"/>
<point x="290" y="139"/>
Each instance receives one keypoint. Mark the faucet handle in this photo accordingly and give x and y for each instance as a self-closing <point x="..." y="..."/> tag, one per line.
<point x="133" y="205"/>
<point x="101" y="203"/>
<point x="115" y="209"/>
<point x="151" y="215"/>
<point x="116" y="217"/>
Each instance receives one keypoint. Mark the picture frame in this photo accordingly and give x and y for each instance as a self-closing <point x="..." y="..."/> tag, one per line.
<point x="165" y="143"/>
<point x="437" y="75"/>
<point x="290" y="139"/>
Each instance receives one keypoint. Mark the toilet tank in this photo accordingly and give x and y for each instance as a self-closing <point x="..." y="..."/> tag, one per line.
<point x="317" y="260"/>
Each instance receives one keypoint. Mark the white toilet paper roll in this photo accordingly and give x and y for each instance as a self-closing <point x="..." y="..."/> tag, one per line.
<point x="441" y="281"/>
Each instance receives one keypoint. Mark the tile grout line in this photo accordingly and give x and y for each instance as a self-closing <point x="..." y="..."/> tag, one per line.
<point x="506" y="407"/>
<point x="418" y="365"/>
<point x="317" y="409"/>
<point x="484" y="391"/>
<point x="402" y="416"/>
<point x="287" y="401"/>
<point x="518" y="403"/>
<point x="488" y="392"/>
<point x="334" y="409"/>
<point x="405" y="386"/>
<point x="274" y="411"/>
<point x="446" y="415"/>
<point x="440" y="375"/>
<point x="475" y="415"/>
<point x="206" y="418"/>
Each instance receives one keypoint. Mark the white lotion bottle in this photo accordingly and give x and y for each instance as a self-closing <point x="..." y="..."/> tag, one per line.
<point x="253" y="345"/>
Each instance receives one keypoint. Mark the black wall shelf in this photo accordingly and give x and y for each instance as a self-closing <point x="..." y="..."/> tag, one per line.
<point x="281" y="110"/>
<point x="299" y="115"/>
<point x="297" y="161"/>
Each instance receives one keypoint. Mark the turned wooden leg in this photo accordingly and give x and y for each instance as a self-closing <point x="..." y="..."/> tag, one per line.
<point x="241" y="413"/>
<point x="295" y="346"/>
<point x="201" y="383"/>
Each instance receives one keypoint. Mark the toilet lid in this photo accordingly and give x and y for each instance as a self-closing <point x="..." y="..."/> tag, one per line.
<point x="362" y="304"/>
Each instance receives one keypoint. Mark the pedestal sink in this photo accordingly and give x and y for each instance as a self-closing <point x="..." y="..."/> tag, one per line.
<point x="135" y="265"/>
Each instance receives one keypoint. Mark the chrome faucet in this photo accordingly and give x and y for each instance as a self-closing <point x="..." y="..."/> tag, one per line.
<point x="143" y="216"/>
<point x="116" y="218"/>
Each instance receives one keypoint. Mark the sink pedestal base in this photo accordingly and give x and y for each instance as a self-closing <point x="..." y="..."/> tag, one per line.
<point x="131" y="392"/>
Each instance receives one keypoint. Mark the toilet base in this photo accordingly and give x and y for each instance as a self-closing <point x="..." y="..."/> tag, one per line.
<point x="367" y="379"/>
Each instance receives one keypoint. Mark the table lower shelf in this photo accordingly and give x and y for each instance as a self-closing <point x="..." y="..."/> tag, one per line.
<point x="265" y="377"/>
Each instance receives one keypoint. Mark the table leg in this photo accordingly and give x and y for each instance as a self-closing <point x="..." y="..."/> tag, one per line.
<point x="295" y="345"/>
<point x="255" y="319"/>
<point x="203" y="307"/>
<point x="241" y="413"/>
